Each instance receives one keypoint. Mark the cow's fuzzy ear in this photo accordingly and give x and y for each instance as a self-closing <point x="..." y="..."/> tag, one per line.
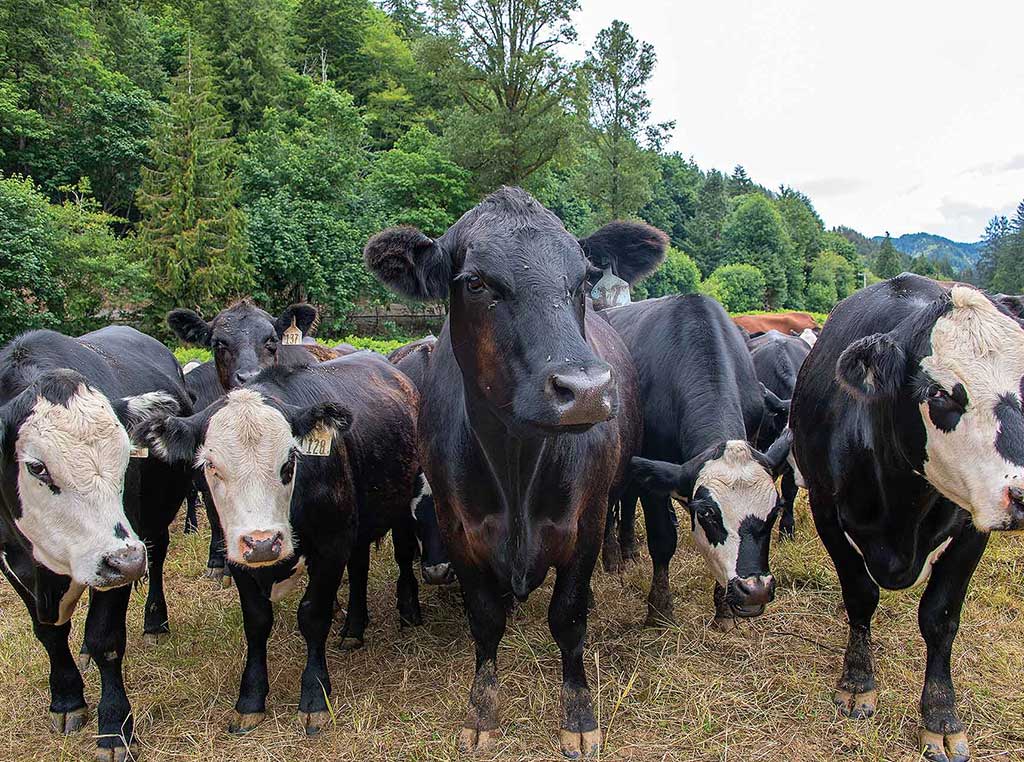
<point x="172" y="439"/>
<point x="188" y="326"/>
<point x="132" y="411"/>
<point x="305" y="316"/>
<point x="663" y="478"/>
<point x="331" y="415"/>
<point x="873" y="367"/>
<point x="773" y="403"/>
<point x="632" y="249"/>
<point x="409" y="262"/>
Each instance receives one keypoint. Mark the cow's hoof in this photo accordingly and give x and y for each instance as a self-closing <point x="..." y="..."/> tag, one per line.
<point x="155" y="638"/>
<point x="410" y="618"/>
<point x="787" y="533"/>
<point x="473" y="741"/>
<point x="725" y="623"/>
<point x="84" y="661"/>
<point x="244" y="723"/>
<point x="215" y="573"/>
<point x="936" y="747"/>
<point x="129" y="753"/>
<point x="351" y="643"/>
<point x="583" y="745"/>
<point x="314" y="722"/>
<point x="856" y="706"/>
<point x="659" y="618"/>
<point x="631" y="555"/>
<point x="69" y="722"/>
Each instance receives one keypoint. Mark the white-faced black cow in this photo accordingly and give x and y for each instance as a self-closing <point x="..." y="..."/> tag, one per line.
<point x="777" y="360"/>
<point x="77" y="511"/>
<point x="910" y="460"/>
<point x="244" y="339"/>
<point x="702" y="405"/>
<point x="412" y="359"/>
<point x="282" y="511"/>
<point x="527" y="420"/>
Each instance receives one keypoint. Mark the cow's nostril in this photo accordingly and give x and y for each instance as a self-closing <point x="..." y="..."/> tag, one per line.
<point x="261" y="547"/>
<point x="561" y="389"/>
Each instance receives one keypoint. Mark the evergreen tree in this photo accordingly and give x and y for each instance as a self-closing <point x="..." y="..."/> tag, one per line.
<point x="618" y="68"/>
<point x="996" y="237"/>
<point x="191" y="228"/>
<point x="248" y="45"/>
<point x="740" y="184"/>
<point x="1008" y="277"/>
<point x="888" y="262"/>
<point x="805" y="230"/>
<point x="704" y="231"/>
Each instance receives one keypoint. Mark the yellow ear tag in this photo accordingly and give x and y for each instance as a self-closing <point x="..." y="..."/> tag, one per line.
<point x="139" y="452"/>
<point x="292" y="335"/>
<point x="317" y="442"/>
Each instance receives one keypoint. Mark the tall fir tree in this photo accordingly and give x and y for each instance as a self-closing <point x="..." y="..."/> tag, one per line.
<point x="888" y="262"/>
<point x="191" y="230"/>
<point x="996" y="237"/>
<point x="740" y="183"/>
<point x="704" y="231"/>
<point x="1008" y="276"/>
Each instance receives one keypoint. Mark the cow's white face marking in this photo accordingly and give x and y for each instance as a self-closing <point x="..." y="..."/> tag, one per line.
<point x="248" y="443"/>
<point x="71" y="467"/>
<point x="743" y="489"/>
<point x="982" y="350"/>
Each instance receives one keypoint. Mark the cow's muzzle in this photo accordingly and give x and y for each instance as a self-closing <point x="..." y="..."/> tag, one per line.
<point x="1015" y="500"/>
<point x="748" y="596"/>
<point x="124" y="566"/>
<point x="261" y="547"/>
<point x="582" y="396"/>
<point x="438" y="574"/>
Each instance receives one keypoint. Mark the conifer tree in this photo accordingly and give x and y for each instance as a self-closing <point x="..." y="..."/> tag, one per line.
<point x="888" y="263"/>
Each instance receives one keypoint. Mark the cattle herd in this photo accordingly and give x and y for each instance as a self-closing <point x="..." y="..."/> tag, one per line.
<point x="519" y="440"/>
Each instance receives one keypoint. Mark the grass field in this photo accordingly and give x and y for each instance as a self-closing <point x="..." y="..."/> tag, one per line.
<point x="689" y="692"/>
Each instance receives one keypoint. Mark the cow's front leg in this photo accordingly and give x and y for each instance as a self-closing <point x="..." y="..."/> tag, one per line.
<point x="315" y="613"/>
<point x="358" y="614"/>
<point x="105" y="636"/>
<point x="660" y="520"/>
<point x="942" y="737"/>
<point x="579" y="735"/>
<point x="257" y="619"/>
<point x="192" y="510"/>
<point x="217" y="568"/>
<point x="403" y="536"/>
<point x="486" y="612"/>
<point x="611" y="552"/>
<point x="156" y="627"/>
<point x="787" y="521"/>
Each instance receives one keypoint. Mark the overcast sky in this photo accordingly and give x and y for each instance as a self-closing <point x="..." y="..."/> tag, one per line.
<point x="900" y="115"/>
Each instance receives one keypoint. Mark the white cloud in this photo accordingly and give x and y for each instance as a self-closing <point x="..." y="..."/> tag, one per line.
<point x="889" y="115"/>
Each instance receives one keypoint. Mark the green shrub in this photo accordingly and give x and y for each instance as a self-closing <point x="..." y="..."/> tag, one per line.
<point x="381" y="346"/>
<point x="738" y="287"/>
<point x="678" y="274"/>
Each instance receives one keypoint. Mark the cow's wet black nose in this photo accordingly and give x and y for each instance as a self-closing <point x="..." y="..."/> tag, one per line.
<point x="242" y="377"/>
<point x="261" y="547"/>
<point x="584" y="396"/>
<point x="124" y="566"/>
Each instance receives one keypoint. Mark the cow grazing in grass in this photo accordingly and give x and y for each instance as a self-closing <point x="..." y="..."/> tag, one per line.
<point x="79" y="507"/>
<point x="286" y="505"/>
<point x="412" y="360"/>
<point x="527" y="421"/>
<point x="702" y="407"/>
<point x="777" y="360"/>
<point x="910" y="438"/>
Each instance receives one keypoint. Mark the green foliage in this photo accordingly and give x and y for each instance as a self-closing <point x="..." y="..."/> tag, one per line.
<point x="837" y="242"/>
<point x="755" y="234"/>
<point x="678" y="274"/>
<point x="738" y="287"/>
<point x="30" y="264"/>
<point x="888" y="262"/>
<point x="191" y="231"/>
<point x="704" y="230"/>
<point x="1008" y="270"/>
<point x="832" y="278"/>
<point x="805" y="230"/>
<point x="380" y="346"/>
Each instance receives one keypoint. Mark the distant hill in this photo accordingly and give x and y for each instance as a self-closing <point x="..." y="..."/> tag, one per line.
<point x="935" y="247"/>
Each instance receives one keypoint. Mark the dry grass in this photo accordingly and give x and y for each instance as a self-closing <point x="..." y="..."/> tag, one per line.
<point x="686" y="693"/>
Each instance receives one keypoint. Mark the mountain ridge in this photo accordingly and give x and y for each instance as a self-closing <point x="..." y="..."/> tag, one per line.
<point x="936" y="247"/>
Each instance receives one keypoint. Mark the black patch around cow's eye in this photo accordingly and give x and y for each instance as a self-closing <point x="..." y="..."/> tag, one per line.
<point x="119" y="531"/>
<point x="945" y="408"/>
<point x="40" y="472"/>
<point x="708" y="513"/>
<point x="1010" y="439"/>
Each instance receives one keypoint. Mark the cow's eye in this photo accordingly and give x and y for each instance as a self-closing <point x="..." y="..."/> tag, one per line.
<point x="475" y="284"/>
<point x="288" y="469"/>
<point x="211" y="470"/>
<point x="39" y="471"/>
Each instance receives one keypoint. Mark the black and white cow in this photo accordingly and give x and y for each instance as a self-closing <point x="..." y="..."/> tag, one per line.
<point x="289" y="498"/>
<point x="412" y="360"/>
<point x="79" y="506"/>
<point x="777" y="360"/>
<point x="910" y="438"/>
<point x="702" y="407"/>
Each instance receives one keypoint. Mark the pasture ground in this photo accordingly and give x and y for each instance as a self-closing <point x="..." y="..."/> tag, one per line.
<point x="688" y="692"/>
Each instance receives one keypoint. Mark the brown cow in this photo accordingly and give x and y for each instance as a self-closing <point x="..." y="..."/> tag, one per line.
<point x="783" y="322"/>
